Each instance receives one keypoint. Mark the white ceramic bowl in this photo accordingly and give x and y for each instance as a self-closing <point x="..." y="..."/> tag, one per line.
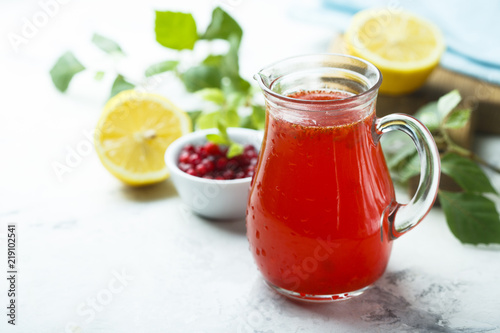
<point x="215" y="199"/>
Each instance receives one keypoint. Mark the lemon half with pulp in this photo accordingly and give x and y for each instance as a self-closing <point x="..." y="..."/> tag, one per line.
<point x="405" y="47"/>
<point x="133" y="134"/>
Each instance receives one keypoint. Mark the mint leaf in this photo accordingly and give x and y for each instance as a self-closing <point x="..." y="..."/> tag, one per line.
<point x="258" y="116"/>
<point x="405" y="153"/>
<point x="471" y="217"/>
<point x="208" y="120"/>
<point x="448" y="102"/>
<point x="213" y="60"/>
<point x="161" y="67"/>
<point x="106" y="44"/>
<point x="194" y="115"/>
<point x="64" y="69"/>
<point x="457" y="119"/>
<point x="230" y="64"/>
<point x="231" y="118"/>
<point x="235" y="149"/>
<point x="214" y="95"/>
<point x="410" y="168"/>
<point x="200" y="77"/>
<point x="221" y="126"/>
<point x="466" y="173"/>
<point x="99" y="75"/>
<point x="175" y="30"/>
<point x="222" y="26"/>
<point x="429" y="116"/>
<point x="218" y="139"/>
<point x="119" y="85"/>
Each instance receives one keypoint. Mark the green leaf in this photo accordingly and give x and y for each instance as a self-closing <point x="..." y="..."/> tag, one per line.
<point x="194" y="115"/>
<point x="235" y="149"/>
<point x="212" y="95"/>
<point x="457" y="118"/>
<point x="64" y="69"/>
<point x="403" y="154"/>
<point x="106" y="44"/>
<point x="213" y="60"/>
<point x="258" y="116"/>
<point x="230" y="64"/>
<point x="222" y="26"/>
<point x="429" y="116"/>
<point x="410" y="168"/>
<point x="200" y="77"/>
<point x="218" y="139"/>
<point x="208" y="120"/>
<point x="120" y="84"/>
<point x="99" y="75"/>
<point x="231" y="118"/>
<point x="175" y="30"/>
<point x="221" y="126"/>
<point x="161" y="67"/>
<point x="466" y="173"/>
<point x="448" y="102"/>
<point x="472" y="218"/>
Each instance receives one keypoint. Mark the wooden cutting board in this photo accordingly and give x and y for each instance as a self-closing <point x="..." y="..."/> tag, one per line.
<point x="483" y="97"/>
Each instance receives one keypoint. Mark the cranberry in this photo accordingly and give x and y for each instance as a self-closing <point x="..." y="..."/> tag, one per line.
<point x="184" y="166"/>
<point x="208" y="164"/>
<point x="221" y="163"/>
<point x="184" y="157"/>
<point x="188" y="148"/>
<point x="232" y="163"/>
<point x="212" y="148"/>
<point x="209" y="161"/>
<point x="201" y="170"/>
<point x="228" y="174"/>
<point x="239" y="175"/>
<point x="194" y="159"/>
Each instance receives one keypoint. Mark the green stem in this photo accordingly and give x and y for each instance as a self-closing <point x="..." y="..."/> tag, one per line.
<point x="454" y="148"/>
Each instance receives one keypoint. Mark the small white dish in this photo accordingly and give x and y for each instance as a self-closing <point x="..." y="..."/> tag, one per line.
<point x="215" y="199"/>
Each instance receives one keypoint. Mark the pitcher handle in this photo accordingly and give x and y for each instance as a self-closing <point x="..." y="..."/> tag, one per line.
<point x="403" y="217"/>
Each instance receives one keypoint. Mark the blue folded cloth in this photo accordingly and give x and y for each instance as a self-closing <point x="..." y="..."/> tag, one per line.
<point x="471" y="29"/>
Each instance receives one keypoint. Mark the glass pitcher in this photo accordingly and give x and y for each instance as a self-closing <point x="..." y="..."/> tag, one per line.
<point x="322" y="213"/>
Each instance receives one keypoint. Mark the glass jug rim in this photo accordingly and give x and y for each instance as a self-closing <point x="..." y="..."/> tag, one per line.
<point x="367" y="93"/>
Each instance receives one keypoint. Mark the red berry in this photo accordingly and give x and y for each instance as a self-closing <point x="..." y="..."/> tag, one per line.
<point x="249" y="154"/>
<point x="189" y="148"/>
<point x="208" y="164"/>
<point x="232" y="164"/>
<point x="228" y="174"/>
<point x="221" y="163"/>
<point x="219" y="178"/>
<point x="239" y="175"/>
<point x="194" y="159"/>
<point x="201" y="170"/>
<point x="212" y="148"/>
<point x="208" y="177"/>
<point x="191" y="172"/>
<point x="184" y="166"/>
<point x="184" y="157"/>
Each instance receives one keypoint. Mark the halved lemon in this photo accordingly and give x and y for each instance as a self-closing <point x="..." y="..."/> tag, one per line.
<point x="405" y="48"/>
<point x="133" y="134"/>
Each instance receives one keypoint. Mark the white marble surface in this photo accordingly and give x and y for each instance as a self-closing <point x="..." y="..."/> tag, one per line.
<point x="96" y="256"/>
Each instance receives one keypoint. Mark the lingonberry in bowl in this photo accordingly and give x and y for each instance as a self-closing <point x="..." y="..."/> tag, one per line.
<point x="210" y="161"/>
<point x="208" y="182"/>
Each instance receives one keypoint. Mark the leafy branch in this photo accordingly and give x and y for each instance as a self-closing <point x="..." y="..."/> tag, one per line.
<point x="471" y="215"/>
<point x="216" y="78"/>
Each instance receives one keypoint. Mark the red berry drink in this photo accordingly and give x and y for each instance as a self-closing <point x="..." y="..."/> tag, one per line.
<point x="315" y="206"/>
